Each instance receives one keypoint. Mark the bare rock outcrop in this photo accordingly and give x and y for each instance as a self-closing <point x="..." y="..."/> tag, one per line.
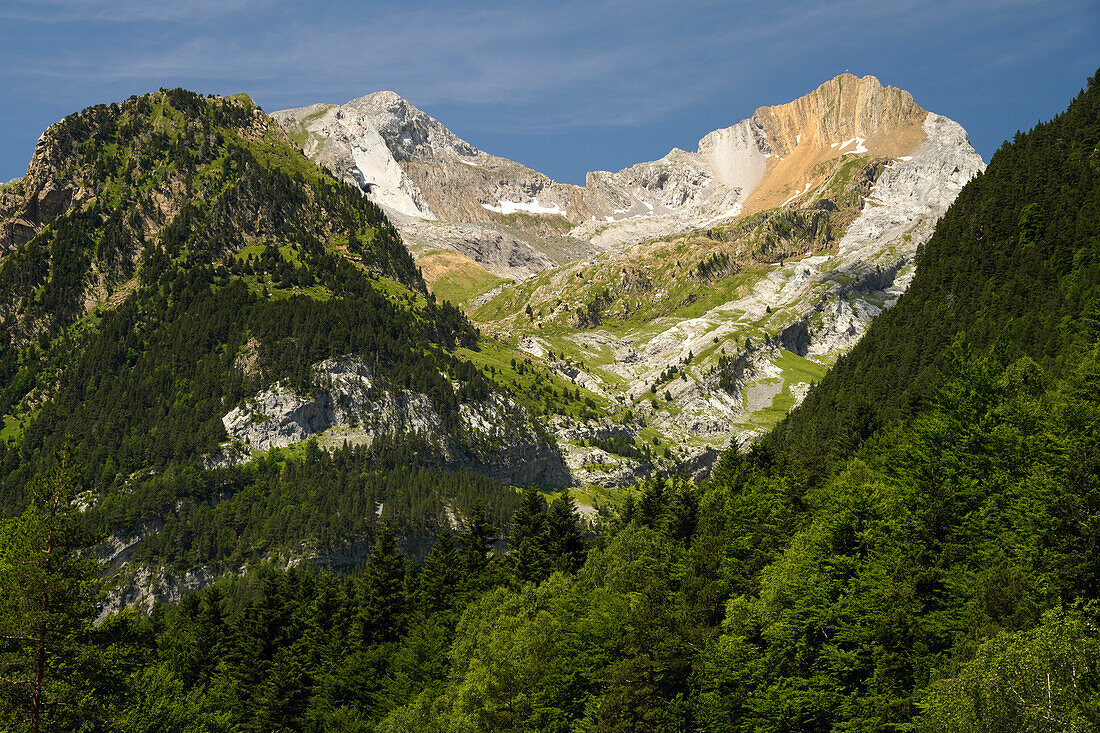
<point x="348" y="403"/>
<point x="409" y="162"/>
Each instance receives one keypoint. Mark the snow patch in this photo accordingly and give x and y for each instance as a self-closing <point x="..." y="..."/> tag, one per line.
<point x="534" y="207"/>
<point x="469" y="163"/>
<point x="380" y="174"/>
<point x="860" y="148"/>
<point x="735" y="211"/>
<point x="797" y="194"/>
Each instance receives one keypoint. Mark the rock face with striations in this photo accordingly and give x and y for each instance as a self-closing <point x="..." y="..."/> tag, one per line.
<point x="411" y="164"/>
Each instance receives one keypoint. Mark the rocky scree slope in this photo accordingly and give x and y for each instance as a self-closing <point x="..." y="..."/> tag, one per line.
<point x="413" y="166"/>
<point x="719" y="332"/>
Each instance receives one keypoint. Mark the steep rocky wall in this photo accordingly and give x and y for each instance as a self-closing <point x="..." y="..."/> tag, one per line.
<point x="412" y="164"/>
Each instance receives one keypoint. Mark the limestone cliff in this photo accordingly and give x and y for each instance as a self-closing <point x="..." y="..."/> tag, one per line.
<point x="410" y="163"/>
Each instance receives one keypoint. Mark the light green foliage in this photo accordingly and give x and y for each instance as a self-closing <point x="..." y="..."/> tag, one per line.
<point x="534" y="386"/>
<point x="796" y="370"/>
<point x="299" y="134"/>
<point x="565" y="654"/>
<point x="1043" y="679"/>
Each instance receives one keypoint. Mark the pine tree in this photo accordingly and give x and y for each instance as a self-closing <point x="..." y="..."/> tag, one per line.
<point x="477" y="541"/>
<point x="565" y="543"/>
<point x="528" y="539"/>
<point x="47" y="591"/>
<point x="384" y="603"/>
<point x="683" y="513"/>
<point x="629" y="511"/>
<point x="441" y="577"/>
<point x="652" y="505"/>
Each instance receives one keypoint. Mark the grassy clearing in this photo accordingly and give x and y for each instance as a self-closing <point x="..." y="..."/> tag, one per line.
<point x="529" y="379"/>
<point x="455" y="277"/>
<point x="796" y="370"/>
<point x="273" y="152"/>
<point x="299" y="135"/>
<point x="13" y="428"/>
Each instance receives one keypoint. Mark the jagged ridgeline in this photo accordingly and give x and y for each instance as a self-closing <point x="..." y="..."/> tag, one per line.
<point x="172" y="256"/>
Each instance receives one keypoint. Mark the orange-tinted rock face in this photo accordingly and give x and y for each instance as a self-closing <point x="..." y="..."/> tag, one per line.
<point x="845" y="115"/>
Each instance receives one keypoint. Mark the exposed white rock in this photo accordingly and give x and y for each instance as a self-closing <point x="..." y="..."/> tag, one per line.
<point x="827" y="301"/>
<point x="347" y="404"/>
<point x="349" y="144"/>
<point x="531" y="207"/>
<point x="816" y="306"/>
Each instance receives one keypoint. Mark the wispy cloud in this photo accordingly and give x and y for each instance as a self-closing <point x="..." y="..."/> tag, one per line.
<point x="121" y="11"/>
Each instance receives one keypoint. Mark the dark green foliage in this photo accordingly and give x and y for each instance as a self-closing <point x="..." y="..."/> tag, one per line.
<point x="477" y="541"/>
<point x="564" y="539"/>
<point x="715" y="266"/>
<point x="545" y="538"/>
<point x="384" y="603"/>
<point x="528" y="538"/>
<point x="748" y="607"/>
<point x="592" y="313"/>
<point x="441" y="576"/>
<point x="144" y="386"/>
<point x="621" y="444"/>
<point x="333" y="502"/>
<point x="47" y="595"/>
<point x="939" y="540"/>
<point x="730" y="371"/>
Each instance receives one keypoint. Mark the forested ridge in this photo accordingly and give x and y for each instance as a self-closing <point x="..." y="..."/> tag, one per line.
<point x="912" y="550"/>
<point x="195" y="258"/>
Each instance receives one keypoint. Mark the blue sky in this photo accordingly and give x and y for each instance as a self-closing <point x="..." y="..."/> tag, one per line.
<point x="562" y="87"/>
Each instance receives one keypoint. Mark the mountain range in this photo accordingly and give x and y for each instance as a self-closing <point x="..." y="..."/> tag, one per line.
<point x="722" y="281"/>
<point x="640" y="324"/>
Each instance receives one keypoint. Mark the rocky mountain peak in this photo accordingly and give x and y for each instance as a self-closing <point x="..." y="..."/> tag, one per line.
<point x="411" y="164"/>
<point x="842" y="108"/>
<point x="410" y="133"/>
